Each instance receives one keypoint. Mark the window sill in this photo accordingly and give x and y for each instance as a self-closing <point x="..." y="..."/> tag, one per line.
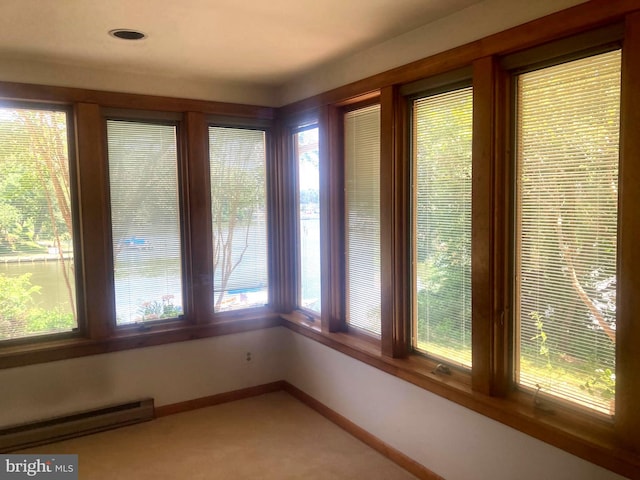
<point x="131" y="336"/>
<point x="587" y="436"/>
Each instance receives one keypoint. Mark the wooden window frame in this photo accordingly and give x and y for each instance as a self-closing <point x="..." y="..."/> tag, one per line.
<point x="338" y="257"/>
<point x="98" y="332"/>
<point x="489" y="387"/>
<point x="163" y="119"/>
<point x="578" y="47"/>
<point x="439" y="84"/>
<point x="202" y="261"/>
<point x="81" y="328"/>
<point x="311" y="316"/>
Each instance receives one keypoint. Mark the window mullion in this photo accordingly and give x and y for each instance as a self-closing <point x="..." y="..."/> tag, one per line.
<point x="627" y="419"/>
<point x="94" y="221"/>
<point x="331" y="220"/>
<point x="394" y="217"/>
<point x="489" y="242"/>
<point x="282" y="227"/>
<point x="198" y="236"/>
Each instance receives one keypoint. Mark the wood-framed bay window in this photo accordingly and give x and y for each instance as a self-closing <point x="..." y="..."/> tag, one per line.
<point x="525" y="179"/>
<point x="123" y="219"/>
<point x="508" y="270"/>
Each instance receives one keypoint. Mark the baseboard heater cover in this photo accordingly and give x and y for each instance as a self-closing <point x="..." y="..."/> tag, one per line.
<point x="75" y="425"/>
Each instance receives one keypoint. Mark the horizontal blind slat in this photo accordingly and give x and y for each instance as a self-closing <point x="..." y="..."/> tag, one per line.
<point x="237" y="165"/>
<point x="37" y="280"/>
<point x="362" y="206"/>
<point x="145" y="220"/>
<point x="442" y="224"/>
<point x="567" y="153"/>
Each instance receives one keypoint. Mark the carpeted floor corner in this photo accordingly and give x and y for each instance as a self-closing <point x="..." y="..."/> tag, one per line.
<point x="272" y="436"/>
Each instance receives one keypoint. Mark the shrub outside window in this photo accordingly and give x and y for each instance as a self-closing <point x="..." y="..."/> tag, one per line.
<point x="37" y="270"/>
<point x="442" y="131"/>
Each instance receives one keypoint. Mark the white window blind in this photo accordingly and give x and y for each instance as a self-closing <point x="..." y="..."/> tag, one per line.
<point x="442" y="132"/>
<point x="145" y="221"/>
<point x="362" y="219"/>
<point x="37" y="281"/>
<point x="239" y="217"/>
<point x="307" y="157"/>
<point x="566" y="235"/>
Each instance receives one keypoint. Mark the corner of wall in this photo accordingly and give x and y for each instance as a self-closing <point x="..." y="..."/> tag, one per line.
<point x="446" y="438"/>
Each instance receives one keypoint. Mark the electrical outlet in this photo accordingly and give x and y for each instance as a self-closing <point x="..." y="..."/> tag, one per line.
<point x="248" y="357"/>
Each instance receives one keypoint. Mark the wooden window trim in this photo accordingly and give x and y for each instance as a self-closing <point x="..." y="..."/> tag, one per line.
<point x="199" y="236"/>
<point x="295" y="125"/>
<point x="440" y="84"/>
<point x="489" y="389"/>
<point x="337" y="214"/>
<point x="568" y="49"/>
<point x="584" y="435"/>
<point x="283" y="201"/>
<point x="395" y="216"/>
<point x="91" y="145"/>
<point x="490" y="234"/>
<point x="202" y="256"/>
<point x="628" y="301"/>
<point x="165" y="119"/>
<point x="77" y="172"/>
<point x="50" y="349"/>
<point x="130" y="101"/>
<point x="97" y="332"/>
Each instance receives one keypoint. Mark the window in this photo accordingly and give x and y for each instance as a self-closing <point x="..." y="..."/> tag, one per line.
<point x="362" y="219"/>
<point x="555" y="264"/>
<point x="566" y="229"/>
<point x="37" y="274"/>
<point x="442" y="225"/>
<point x="305" y="142"/>
<point x="239" y="217"/>
<point x="145" y="218"/>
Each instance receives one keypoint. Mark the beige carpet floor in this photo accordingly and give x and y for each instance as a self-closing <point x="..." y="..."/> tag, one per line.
<point x="272" y="436"/>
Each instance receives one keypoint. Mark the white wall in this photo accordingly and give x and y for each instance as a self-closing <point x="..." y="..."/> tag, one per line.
<point x="169" y="373"/>
<point x="472" y="23"/>
<point x="431" y="430"/>
<point x="450" y="440"/>
<point x="171" y="85"/>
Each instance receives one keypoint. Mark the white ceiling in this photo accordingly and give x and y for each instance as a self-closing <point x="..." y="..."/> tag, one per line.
<point x="263" y="42"/>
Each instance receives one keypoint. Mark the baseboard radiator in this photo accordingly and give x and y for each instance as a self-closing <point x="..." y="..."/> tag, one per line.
<point x="69" y="426"/>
